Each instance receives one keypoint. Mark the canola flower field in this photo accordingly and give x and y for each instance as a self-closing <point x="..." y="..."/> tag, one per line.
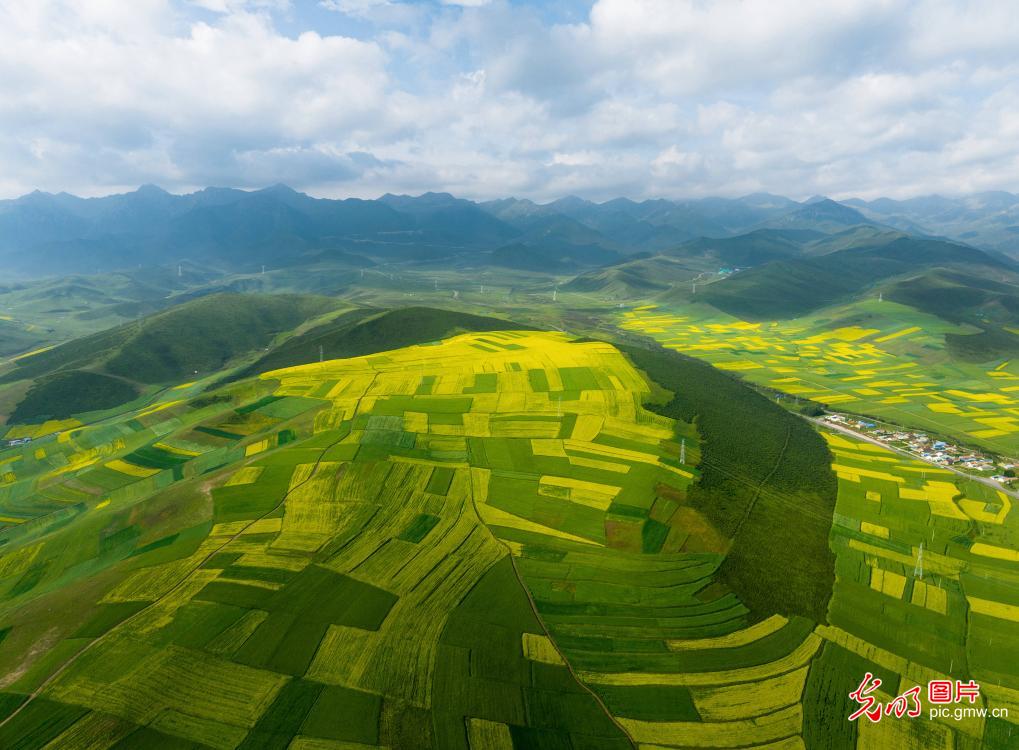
<point x="927" y="583"/>
<point x="875" y="358"/>
<point x="478" y="543"/>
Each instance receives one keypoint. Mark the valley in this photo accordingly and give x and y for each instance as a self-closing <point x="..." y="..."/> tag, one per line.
<point x="445" y="502"/>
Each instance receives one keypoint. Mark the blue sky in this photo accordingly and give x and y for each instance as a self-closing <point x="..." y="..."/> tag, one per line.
<point x="489" y="98"/>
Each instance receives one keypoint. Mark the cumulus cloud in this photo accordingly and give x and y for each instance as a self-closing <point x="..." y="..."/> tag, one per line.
<point x="487" y="98"/>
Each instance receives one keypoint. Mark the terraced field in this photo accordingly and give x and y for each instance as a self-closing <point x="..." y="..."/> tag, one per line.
<point x="478" y="543"/>
<point x="927" y="583"/>
<point x="876" y="358"/>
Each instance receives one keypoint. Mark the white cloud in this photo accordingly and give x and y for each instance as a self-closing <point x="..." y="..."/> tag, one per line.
<point x="639" y="97"/>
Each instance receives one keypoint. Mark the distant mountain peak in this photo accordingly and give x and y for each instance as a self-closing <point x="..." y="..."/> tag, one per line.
<point x="278" y="188"/>
<point x="149" y="189"/>
<point x="570" y="200"/>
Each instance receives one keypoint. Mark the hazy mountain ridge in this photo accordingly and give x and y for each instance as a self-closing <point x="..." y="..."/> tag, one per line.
<point x="239" y="230"/>
<point x="989" y="220"/>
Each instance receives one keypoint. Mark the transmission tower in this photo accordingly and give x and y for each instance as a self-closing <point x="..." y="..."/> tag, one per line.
<point x="918" y="569"/>
<point x="682" y="451"/>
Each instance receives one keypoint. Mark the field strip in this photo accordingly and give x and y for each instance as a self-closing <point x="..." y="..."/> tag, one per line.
<point x="860" y="436"/>
<point x="184" y="579"/>
<point x="548" y="634"/>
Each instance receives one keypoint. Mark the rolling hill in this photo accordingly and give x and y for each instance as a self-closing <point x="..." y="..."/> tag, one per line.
<point x="366" y="331"/>
<point x="194" y="338"/>
<point x="750" y="249"/>
<point x="375" y="550"/>
<point x="639" y="277"/>
<point x="789" y="288"/>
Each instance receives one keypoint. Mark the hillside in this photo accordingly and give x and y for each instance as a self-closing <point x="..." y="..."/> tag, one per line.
<point x="959" y="297"/>
<point x="789" y="288"/>
<point x="362" y="332"/>
<point x="38" y="313"/>
<point x="361" y="550"/>
<point x="637" y="278"/>
<point x="751" y="249"/>
<point x="193" y="338"/>
<point x="756" y="460"/>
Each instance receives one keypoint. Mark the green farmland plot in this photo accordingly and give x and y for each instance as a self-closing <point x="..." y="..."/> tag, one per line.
<point x="493" y="560"/>
<point x="881" y="359"/>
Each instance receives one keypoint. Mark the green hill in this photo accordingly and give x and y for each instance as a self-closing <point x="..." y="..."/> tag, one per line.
<point x="959" y="297"/>
<point x="990" y="305"/>
<point x="790" y="288"/>
<point x="639" y="277"/>
<point x="71" y="392"/>
<point x="363" y="332"/>
<point x="757" y="461"/>
<point x="201" y="335"/>
<point x="751" y="249"/>
<point x="196" y="337"/>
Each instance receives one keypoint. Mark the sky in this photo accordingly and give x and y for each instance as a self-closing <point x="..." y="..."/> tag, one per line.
<point x="495" y="98"/>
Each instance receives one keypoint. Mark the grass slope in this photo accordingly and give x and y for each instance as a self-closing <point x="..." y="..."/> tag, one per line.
<point x="638" y="277"/>
<point x="789" y="288"/>
<point x="360" y="332"/>
<point x="71" y="392"/>
<point x="990" y="305"/>
<point x="202" y="335"/>
<point x="765" y="482"/>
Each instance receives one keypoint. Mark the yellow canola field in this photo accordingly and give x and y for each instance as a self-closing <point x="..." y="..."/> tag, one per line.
<point x="780" y="725"/>
<point x="132" y="470"/>
<point x="900" y="370"/>
<point x="540" y="648"/>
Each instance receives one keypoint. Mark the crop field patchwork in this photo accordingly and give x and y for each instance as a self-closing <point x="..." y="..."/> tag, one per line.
<point x="478" y="543"/>
<point x="876" y="358"/>
<point x="926" y="582"/>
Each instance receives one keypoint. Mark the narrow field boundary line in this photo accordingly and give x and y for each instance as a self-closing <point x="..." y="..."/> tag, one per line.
<point x="544" y="626"/>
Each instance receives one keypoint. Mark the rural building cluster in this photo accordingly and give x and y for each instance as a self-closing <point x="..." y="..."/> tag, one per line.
<point x="927" y="448"/>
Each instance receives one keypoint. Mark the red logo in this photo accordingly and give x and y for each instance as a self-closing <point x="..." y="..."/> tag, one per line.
<point x="939" y="692"/>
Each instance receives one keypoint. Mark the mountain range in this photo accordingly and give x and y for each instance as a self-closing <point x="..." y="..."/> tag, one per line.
<point x="235" y="230"/>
